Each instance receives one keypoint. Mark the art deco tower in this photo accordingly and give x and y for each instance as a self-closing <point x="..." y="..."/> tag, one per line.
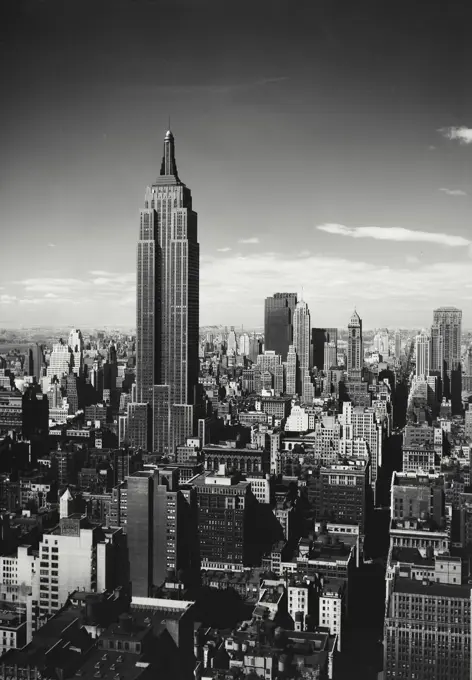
<point x="355" y="353"/>
<point x="167" y="305"/>
<point x="301" y="341"/>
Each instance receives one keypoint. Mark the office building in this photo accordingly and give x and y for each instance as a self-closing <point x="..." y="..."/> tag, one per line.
<point x="381" y="342"/>
<point x="60" y="361"/>
<point x="278" y="322"/>
<point x="76" y="346"/>
<point x="449" y="322"/>
<point x="302" y="341"/>
<point x="398" y="344"/>
<point x="291" y="372"/>
<point x="427" y="631"/>
<point x="355" y="351"/>
<point x="423" y="361"/>
<point x="138" y="425"/>
<point x="156" y="525"/>
<point x="319" y="338"/>
<point x="167" y="302"/>
<point x="224" y="510"/>
<point x="343" y="493"/>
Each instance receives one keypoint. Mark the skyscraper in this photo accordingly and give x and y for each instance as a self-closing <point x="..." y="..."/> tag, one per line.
<point x="422" y="355"/>
<point x="449" y="322"/>
<point x="291" y="372"/>
<point x="157" y="525"/>
<point x="301" y="338"/>
<point x="278" y="322"/>
<point x="76" y="344"/>
<point x="437" y="351"/>
<point x="355" y="352"/>
<point x="167" y="304"/>
<point x="398" y="344"/>
<point x="319" y="338"/>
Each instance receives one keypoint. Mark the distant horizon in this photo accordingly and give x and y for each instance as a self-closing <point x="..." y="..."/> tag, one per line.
<point x="237" y="329"/>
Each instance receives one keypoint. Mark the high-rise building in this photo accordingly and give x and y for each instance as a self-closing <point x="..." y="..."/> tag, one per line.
<point x="224" y="510"/>
<point x="291" y="372"/>
<point x="449" y="322"/>
<point x="381" y="342"/>
<point x="60" y="360"/>
<point x="330" y="355"/>
<point x="423" y="362"/>
<point x="427" y="630"/>
<point x="231" y="342"/>
<point x="398" y="344"/>
<point x="301" y="338"/>
<point x="278" y="322"/>
<point x="76" y="344"/>
<point x="156" y="541"/>
<point x="355" y="352"/>
<point x="244" y="344"/>
<point x="255" y="347"/>
<point x="343" y="492"/>
<point x="167" y="301"/>
<point x="319" y="338"/>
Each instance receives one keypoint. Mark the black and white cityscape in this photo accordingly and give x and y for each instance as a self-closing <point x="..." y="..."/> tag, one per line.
<point x="235" y="416"/>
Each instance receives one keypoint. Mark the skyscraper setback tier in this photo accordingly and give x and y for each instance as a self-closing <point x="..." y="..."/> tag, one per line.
<point x="167" y="304"/>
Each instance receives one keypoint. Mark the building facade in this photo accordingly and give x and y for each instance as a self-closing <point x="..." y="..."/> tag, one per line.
<point x="167" y="304"/>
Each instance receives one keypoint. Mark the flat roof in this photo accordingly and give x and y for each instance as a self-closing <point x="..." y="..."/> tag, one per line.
<point x="415" y="586"/>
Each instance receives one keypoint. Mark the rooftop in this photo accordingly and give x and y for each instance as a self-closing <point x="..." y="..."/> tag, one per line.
<point x="414" y="586"/>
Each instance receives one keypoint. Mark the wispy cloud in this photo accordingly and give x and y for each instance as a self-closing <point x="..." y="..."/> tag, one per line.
<point x="249" y="241"/>
<point x="51" y="245"/>
<point x="417" y="290"/>
<point x="223" y="88"/>
<point x="53" y="285"/>
<point x="223" y="250"/>
<point x="453" y="192"/>
<point x="462" y="134"/>
<point x="396" y="234"/>
<point x="412" y="259"/>
<point x="7" y="299"/>
<point x="304" y="253"/>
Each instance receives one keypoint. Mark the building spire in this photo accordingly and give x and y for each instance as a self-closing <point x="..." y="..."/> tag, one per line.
<point x="169" y="166"/>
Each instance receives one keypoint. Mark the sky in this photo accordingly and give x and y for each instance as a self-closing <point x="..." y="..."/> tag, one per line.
<point x="327" y="144"/>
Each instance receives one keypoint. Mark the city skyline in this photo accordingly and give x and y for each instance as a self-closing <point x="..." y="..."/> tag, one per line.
<point x="379" y="161"/>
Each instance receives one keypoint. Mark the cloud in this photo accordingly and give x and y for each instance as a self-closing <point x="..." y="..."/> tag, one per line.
<point x="396" y="234"/>
<point x="223" y="88"/>
<point x="462" y="134"/>
<point x="51" y="245"/>
<point x="402" y="294"/>
<point x="249" y="241"/>
<point x="223" y="250"/>
<point x="304" y="253"/>
<point x="453" y="192"/>
<point x="51" y="296"/>
<point x="412" y="259"/>
<point x="7" y="299"/>
<point x="53" y="285"/>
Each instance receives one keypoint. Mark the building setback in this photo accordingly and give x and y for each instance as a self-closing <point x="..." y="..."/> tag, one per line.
<point x="167" y="306"/>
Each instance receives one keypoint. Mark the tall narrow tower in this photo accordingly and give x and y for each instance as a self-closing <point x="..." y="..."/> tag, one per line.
<point x="301" y="339"/>
<point x="167" y="305"/>
<point x="423" y="361"/>
<point x="355" y="353"/>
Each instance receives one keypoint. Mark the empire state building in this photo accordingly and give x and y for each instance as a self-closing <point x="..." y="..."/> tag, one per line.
<point x="167" y="309"/>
